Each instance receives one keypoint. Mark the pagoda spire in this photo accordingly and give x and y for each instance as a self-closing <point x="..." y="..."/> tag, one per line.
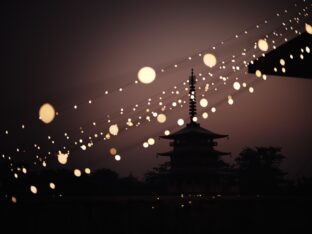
<point x="192" y="97"/>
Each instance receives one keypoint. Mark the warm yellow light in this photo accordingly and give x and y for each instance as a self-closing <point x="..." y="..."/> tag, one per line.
<point x="146" y="75"/>
<point x="213" y="109"/>
<point x="77" y="172"/>
<point x="264" y="77"/>
<point x="117" y="157"/>
<point x="251" y="89"/>
<point x="33" y="189"/>
<point x="13" y="199"/>
<point x="307" y="49"/>
<point x="167" y="132"/>
<point x="88" y="171"/>
<point x="113" y="151"/>
<point x="180" y="122"/>
<point x="113" y="129"/>
<point x="258" y="73"/>
<point x="282" y="62"/>
<point x="308" y="28"/>
<point x="203" y="102"/>
<point x="145" y="145"/>
<point x="46" y="113"/>
<point x="205" y="115"/>
<point x="230" y="100"/>
<point x="210" y="60"/>
<point x="195" y="119"/>
<point x="263" y="45"/>
<point x="52" y="185"/>
<point x="236" y="85"/>
<point x="151" y="141"/>
<point x="62" y="158"/>
<point x="161" y="118"/>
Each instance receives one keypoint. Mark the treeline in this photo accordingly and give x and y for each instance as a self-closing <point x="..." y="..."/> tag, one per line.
<point x="257" y="171"/>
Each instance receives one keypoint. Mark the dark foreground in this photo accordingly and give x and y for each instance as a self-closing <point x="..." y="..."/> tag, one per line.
<point x="164" y="214"/>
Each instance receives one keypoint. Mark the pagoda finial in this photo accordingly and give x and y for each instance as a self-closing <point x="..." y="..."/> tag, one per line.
<point x="192" y="96"/>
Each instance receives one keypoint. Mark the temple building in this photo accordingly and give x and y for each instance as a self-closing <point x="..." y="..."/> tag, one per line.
<point x="195" y="164"/>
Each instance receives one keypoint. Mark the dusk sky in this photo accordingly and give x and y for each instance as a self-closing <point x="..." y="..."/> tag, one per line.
<point x="70" y="54"/>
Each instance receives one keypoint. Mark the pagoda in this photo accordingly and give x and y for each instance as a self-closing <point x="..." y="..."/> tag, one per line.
<point x="195" y="166"/>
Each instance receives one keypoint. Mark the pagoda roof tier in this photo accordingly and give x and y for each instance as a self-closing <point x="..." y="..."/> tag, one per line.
<point x="194" y="129"/>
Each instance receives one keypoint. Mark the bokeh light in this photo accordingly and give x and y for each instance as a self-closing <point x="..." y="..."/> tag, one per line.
<point x="145" y="145"/>
<point x="205" y="115"/>
<point x="77" y="172"/>
<point x="251" y="89"/>
<point x="87" y="170"/>
<point x="33" y="189"/>
<point x="113" y="151"/>
<point x="258" y="73"/>
<point x="52" y="185"/>
<point x="161" y="118"/>
<point x="62" y="157"/>
<point x="146" y="75"/>
<point x="113" y="129"/>
<point x="151" y="141"/>
<point x="203" y="102"/>
<point x="308" y="28"/>
<point x="180" y="122"/>
<point x="263" y="45"/>
<point x="210" y="60"/>
<point x="167" y="132"/>
<point x="236" y="85"/>
<point x="230" y="100"/>
<point x="117" y="157"/>
<point x="46" y="113"/>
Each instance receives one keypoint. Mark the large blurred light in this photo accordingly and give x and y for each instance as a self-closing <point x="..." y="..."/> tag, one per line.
<point x="236" y="85"/>
<point x="180" y="122"/>
<point x="77" y="172"/>
<point x="263" y="45"/>
<point x="113" y="129"/>
<point x="161" y="118"/>
<point x="62" y="158"/>
<point x="146" y="75"/>
<point x="151" y="141"/>
<point x="113" y="151"/>
<point x="308" y="28"/>
<point x="33" y="189"/>
<point x="203" y="102"/>
<point x="46" y="113"/>
<point x="210" y="60"/>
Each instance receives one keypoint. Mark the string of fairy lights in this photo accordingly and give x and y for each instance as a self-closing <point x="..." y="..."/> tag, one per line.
<point x="227" y="75"/>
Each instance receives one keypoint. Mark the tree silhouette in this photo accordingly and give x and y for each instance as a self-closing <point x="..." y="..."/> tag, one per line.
<point x="258" y="170"/>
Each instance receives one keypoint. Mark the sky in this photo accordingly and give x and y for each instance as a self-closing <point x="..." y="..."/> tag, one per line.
<point x="69" y="53"/>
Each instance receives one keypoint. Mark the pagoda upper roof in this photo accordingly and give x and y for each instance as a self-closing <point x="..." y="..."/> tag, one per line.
<point x="215" y="152"/>
<point x="194" y="129"/>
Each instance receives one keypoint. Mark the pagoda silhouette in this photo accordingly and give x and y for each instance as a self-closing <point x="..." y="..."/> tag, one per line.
<point x="195" y="166"/>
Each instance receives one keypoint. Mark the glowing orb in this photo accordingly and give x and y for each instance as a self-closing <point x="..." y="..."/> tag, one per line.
<point x="88" y="171"/>
<point x="33" y="189"/>
<point x="83" y="147"/>
<point x="180" y="122"/>
<point x="236" y="85"/>
<point x="203" y="102"/>
<point x="263" y="45"/>
<point x="308" y="49"/>
<point x="117" y="157"/>
<point x="24" y="170"/>
<point x="258" y="73"/>
<point x="195" y="119"/>
<point x="46" y="113"/>
<point x="251" y="89"/>
<point x="62" y="158"/>
<point x="161" y="118"/>
<point x="77" y="172"/>
<point x="146" y="75"/>
<point x="205" y="115"/>
<point x="167" y="133"/>
<point x="282" y="62"/>
<point x="213" y="109"/>
<point x="264" y="77"/>
<point x="151" y="141"/>
<point x="210" y="60"/>
<point x="230" y="100"/>
<point x="308" y="28"/>
<point x="145" y="145"/>
<point x="13" y="199"/>
<point x="113" y="151"/>
<point x="113" y="129"/>
<point x="52" y="185"/>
